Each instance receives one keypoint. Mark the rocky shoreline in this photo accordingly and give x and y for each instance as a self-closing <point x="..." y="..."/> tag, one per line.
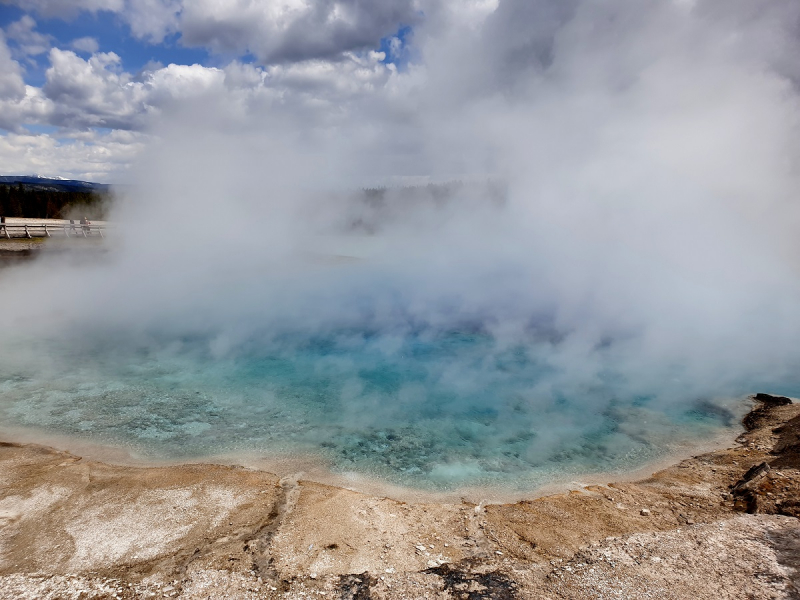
<point x="719" y="525"/>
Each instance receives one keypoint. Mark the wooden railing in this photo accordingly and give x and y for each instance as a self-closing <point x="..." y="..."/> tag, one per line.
<point x="44" y="229"/>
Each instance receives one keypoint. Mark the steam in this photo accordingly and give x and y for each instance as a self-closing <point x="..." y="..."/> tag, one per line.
<point x="651" y="160"/>
<point x="645" y="230"/>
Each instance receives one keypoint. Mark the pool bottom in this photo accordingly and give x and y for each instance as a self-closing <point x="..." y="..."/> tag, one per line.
<point x="434" y="412"/>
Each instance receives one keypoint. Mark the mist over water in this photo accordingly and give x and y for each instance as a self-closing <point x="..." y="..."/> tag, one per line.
<point x="617" y="265"/>
<point x="427" y="408"/>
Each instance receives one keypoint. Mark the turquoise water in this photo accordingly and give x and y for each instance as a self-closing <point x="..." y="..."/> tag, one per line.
<point x="436" y="409"/>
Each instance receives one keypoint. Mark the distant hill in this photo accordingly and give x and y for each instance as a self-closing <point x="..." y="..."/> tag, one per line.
<point x="46" y="184"/>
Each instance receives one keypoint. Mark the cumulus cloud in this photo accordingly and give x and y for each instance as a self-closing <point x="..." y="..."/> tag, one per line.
<point x="272" y="31"/>
<point x="86" y="155"/>
<point x="182" y="82"/>
<point x="333" y="81"/>
<point x="84" y="93"/>
<point x="292" y="31"/>
<point x="32" y="108"/>
<point x="96" y="92"/>
<point x="152" y="20"/>
<point x="93" y="92"/>
<point x="67" y="8"/>
<point x="314" y="55"/>
<point x="12" y="86"/>
<point x="87" y="44"/>
<point x="29" y="41"/>
<point x="19" y="103"/>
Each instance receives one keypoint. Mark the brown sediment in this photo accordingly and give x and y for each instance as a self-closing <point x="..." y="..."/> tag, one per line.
<point x="719" y="525"/>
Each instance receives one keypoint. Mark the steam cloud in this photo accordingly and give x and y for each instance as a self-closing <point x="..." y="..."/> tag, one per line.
<point x="648" y="158"/>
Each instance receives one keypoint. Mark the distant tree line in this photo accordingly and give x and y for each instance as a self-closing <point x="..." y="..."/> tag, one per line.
<point x="19" y="201"/>
<point x="494" y="191"/>
<point x="371" y="209"/>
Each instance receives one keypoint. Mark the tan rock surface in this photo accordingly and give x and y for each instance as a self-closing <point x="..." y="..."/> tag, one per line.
<point x="73" y="528"/>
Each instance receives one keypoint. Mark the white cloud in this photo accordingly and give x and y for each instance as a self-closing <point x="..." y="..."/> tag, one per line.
<point x="84" y="93"/>
<point x="88" y="156"/>
<point x="332" y="80"/>
<point x="32" y="108"/>
<point x="272" y="30"/>
<point x="81" y="93"/>
<point x="19" y="103"/>
<point x="175" y="83"/>
<point x="30" y="42"/>
<point x="152" y="20"/>
<point x="67" y="8"/>
<point x="89" y="45"/>
<point x="12" y="86"/>
<point x="472" y="51"/>
<point x="470" y="13"/>
<point x="293" y="30"/>
<point x="93" y="92"/>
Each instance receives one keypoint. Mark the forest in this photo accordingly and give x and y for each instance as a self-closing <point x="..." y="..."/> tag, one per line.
<point x="19" y="200"/>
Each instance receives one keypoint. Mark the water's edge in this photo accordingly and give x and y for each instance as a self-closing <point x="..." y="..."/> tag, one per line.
<point x="315" y="469"/>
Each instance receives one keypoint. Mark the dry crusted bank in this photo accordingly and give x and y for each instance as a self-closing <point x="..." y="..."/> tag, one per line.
<point x="720" y="525"/>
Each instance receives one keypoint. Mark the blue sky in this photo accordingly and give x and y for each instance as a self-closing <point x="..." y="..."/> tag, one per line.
<point x="112" y="35"/>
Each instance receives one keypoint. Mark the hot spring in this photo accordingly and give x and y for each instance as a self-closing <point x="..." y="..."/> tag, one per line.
<point x="424" y="406"/>
<point x="606" y="267"/>
<point x="435" y="345"/>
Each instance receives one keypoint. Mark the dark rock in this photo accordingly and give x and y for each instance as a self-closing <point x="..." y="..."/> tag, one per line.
<point x="770" y="400"/>
<point x="355" y="587"/>
<point x="756" y="417"/>
<point x="745" y="490"/>
<point x="752" y="475"/>
<point x="475" y="586"/>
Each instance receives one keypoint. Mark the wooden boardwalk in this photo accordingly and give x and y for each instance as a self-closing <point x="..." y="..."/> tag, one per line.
<point x="29" y="228"/>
